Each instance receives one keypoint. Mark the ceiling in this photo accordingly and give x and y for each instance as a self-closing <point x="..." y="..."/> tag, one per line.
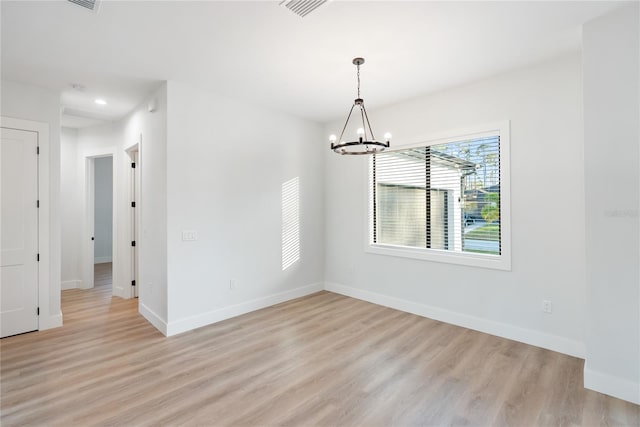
<point x="263" y="53"/>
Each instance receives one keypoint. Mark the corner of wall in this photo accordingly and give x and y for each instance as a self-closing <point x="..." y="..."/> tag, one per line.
<point x="153" y="318"/>
<point x="613" y="386"/>
<point x="218" y="315"/>
<point x="612" y="126"/>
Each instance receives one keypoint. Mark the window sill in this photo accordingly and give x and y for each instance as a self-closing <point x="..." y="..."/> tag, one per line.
<point x="494" y="262"/>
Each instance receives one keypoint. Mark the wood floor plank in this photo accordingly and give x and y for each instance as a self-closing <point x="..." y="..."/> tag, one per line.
<point x="324" y="359"/>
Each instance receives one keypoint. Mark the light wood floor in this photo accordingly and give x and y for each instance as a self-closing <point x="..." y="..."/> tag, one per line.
<point x="102" y="274"/>
<point x="320" y="360"/>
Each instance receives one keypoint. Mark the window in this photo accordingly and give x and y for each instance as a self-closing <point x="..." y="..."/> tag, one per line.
<point x="443" y="200"/>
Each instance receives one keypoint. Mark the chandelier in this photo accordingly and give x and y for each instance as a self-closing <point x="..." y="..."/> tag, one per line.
<point x="366" y="142"/>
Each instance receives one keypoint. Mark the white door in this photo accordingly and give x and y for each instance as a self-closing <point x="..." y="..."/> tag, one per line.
<point x="135" y="191"/>
<point x="88" y="268"/>
<point x="19" y="232"/>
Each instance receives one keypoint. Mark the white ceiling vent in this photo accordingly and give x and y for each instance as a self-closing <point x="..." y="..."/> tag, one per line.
<point x="302" y="7"/>
<point x="92" y="5"/>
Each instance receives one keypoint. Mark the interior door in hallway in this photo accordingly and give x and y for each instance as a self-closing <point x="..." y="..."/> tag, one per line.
<point x="135" y="217"/>
<point x="19" y="232"/>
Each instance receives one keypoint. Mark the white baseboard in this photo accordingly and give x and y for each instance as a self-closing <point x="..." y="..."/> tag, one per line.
<point x="71" y="284"/>
<point x="84" y="285"/>
<point x="224" y="313"/>
<point x="49" y="322"/>
<point x="527" y="336"/>
<point x="118" y="291"/>
<point x="153" y="318"/>
<point x="102" y="259"/>
<point x="612" y="386"/>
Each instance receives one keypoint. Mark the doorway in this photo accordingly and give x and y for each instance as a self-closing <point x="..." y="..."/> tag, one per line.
<point x="103" y="221"/>
<point x="99" y="262"/>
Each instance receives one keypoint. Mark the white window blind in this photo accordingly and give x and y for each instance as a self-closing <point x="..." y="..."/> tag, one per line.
<point x="444" y="197"/>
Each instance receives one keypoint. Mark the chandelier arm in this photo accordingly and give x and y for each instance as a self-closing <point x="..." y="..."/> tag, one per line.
<point x="368" y="124"/>
<point x="345" y="124"/>
<point x="364" y="127"/>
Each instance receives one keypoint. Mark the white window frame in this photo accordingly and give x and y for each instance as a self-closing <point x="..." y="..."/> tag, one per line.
<point x="497" y="262"/>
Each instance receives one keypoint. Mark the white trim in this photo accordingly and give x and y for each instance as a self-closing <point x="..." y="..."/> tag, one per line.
<point x="119" y="291"/>
<point x="87" y="256"/>
<point x="199" y="320"/>
<point x="134" y="291"/>
<point x="102" y="259"/>
<point x="153" y="318"/>
<point x="621" y="388"/>
<point x="471" y="259"/>
<point x="50" y="322"/>
<point x="134" y="147"/>
<point x="46" y="281"/>
<point x="71" y="284"/>
<point x="497" y="262"/>
<point x="527" y="336"/>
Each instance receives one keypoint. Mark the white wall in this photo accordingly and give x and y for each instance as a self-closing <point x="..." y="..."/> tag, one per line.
<point x="544" y="106"/>
<point x="152" y="262"/>
<point x="612" y="181"/>
<point x="227" y="161"/>
<point x="116" y="138"/>
<point x="103" y="209"/>
<point x="71" y="215"/>
<point x="33" y="103"/>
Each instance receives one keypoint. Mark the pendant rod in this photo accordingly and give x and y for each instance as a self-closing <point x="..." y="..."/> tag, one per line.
<point x="345" y="124"/>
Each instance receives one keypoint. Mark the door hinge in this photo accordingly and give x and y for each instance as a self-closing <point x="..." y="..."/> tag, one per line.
<point x="37" y="203"/>
<point x="38" y="311"/>
<point x="133" y="243"/>
<point x="133" y="283"/>
<point x="133" y="204"/>
<point x="133" y="165"/>
<point x="38" y="257"/>
<point x="38" y="150"/>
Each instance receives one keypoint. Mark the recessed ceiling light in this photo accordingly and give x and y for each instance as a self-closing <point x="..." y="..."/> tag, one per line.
<point x="100" y="101"/>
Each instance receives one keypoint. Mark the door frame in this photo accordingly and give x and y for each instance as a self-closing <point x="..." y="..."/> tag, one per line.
<point x="46" y="282"/>
<point x="135" y="259"/>
<point x="89" y="218"/>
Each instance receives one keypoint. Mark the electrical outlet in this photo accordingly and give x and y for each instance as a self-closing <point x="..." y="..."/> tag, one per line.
<point x="189" y="236"/>
<point x="232" y="284"/>
<point x="546" y="306"/>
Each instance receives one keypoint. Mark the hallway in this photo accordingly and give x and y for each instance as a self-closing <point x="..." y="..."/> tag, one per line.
<point x="102" y="274"/>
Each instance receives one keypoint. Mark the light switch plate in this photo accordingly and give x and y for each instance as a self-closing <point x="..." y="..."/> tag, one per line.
<point x="189" y="236"/>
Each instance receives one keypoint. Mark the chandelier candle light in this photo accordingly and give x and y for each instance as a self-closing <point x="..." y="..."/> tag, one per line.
<point x="366" y="142"/>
